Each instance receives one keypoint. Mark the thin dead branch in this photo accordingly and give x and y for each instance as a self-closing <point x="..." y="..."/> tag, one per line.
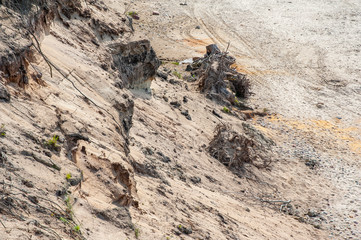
<point x="2" y="224"/>
<point x="41" y="53"/>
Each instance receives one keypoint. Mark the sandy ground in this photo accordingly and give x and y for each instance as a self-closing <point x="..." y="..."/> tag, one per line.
<point x="302" y="59"/>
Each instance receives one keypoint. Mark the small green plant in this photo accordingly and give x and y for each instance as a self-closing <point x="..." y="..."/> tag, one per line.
<point x="53" y="142"/>
<point x="132" y="14"/>
<point x="63" y="220"/>
<point x="77" y="228"/>
<point x="226" y="110"/>
<point x="177" y="74"/>
<point x="236" y="101"/>
<point x="2" y="130"/>
<point x="69" y="207"/>
<point x="137" y="233"/>
<point x="265" y="110"/>
<point x="67" y="200"/>
<point x="68" y="176"/>
<point x="175" y="63"/>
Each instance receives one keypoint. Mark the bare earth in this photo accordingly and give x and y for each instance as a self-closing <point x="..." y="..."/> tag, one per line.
<point x="303" y="59"/>
<point x="303" y="62"/>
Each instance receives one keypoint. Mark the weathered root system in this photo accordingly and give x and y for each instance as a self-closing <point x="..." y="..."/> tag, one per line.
<point x="218" y="79"/>
<point x="235" y="149"/>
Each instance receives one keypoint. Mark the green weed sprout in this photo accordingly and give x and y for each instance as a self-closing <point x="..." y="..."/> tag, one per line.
<point x="53" y="142"/>
<point x="63" y="220"/>
<point x="177" y="74"/>
<point x="77" y="228"/>
<point x="2" y="130"/>
<point x="236" y="101"/>
<point x="68" y="176"/>
<point x="69" y="207"/>
<point x="137" y="233"/>
<point x="132" y="13"/>
<point x="226" y="110"/>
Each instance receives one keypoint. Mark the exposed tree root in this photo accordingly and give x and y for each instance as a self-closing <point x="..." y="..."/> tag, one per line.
<point x="218" y="79"/>
<point x="234" y="149"/>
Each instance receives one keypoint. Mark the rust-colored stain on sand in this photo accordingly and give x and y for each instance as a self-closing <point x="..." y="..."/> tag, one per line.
<point x="198" y="44"/>
<point x="347" y="135"/>
<point x="193" y="42"/>
<point x="256" y="72"/>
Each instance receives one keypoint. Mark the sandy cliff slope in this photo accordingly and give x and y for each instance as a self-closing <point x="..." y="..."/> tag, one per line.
<point x="96" y="145"/>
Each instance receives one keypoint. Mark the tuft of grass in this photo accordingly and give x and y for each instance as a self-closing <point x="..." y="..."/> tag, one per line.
<point x="77" y="228"/>
<point x="177" y="74"/>
<point x="68" y="176"/>
<point x="53" y="141"/>
<point x="63" y="220"/>
<point x="67" y="200"/>
<point x="226" y="110"/>
<point x="137" y="233"/>
<point x="236" y="101"/>
<point x="132" y="13"/>
<point x="2" y="130"/>
<point x="175" y="63"/>
<point x="265" y="110"/>
<point x="69" y="206"/>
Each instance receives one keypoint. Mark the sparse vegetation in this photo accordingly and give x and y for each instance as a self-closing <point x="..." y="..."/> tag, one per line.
<point x="2" y="130"/>
<point x="63" y="220"/>
<point x="177" y="74"/>
<point x="226" y="110"/>
<point x="68" y="176"/>
<point x="77" y="228"/>
<point x="52" y="143"/>
<point x="69" y="206"/>
<point x="68" y="218"/>
<point x="137" y="233"/>
<point x="175" y="63"/>
<point x="184" y="229"/>
<point x="236" y="101"/>
<point x="134" y="15"/>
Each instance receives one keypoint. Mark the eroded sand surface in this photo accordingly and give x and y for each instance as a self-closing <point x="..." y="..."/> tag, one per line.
<point x="303" y="62"/>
